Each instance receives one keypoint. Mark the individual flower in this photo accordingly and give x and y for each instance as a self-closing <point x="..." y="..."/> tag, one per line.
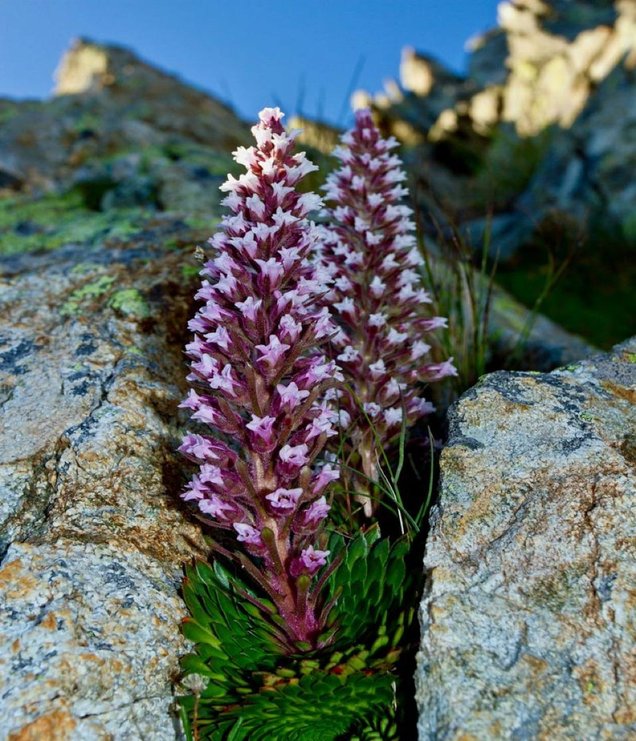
<point x="379" y="302"/>
<point x="260" y="379"/>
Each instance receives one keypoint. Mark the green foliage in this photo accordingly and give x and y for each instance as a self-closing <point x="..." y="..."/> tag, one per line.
<point x="597" y="255"/>
<point x="130" y="303"/>
<point x="463" y="294"/>
<point x="368" y="590"/>
<point x="28" y="224"/>
<point x="258" y="690"/>
<point x="508" y="166"/>
<point x="315" y="707"/>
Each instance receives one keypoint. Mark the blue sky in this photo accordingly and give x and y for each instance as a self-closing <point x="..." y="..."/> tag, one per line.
<point x="250" y="53"/>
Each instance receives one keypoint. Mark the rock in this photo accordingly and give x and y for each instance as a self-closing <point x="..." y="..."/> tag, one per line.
<point x="111" y="192"/>
<point x="549" y="64"/>
<point x="527" y="628"/>
<point x="114" y="74"/>
<point x="316" y="134"/>
<point x="420" y="73"/>
<point x="528" y="341"/>
<point x="538" y="142"/>
<point x="92" y="534"/>
<point x="100" y="113"/>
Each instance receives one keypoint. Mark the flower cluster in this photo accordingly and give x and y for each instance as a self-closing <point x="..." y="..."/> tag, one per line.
<point x="260" y="382"/>
<point x="370" y="252"/>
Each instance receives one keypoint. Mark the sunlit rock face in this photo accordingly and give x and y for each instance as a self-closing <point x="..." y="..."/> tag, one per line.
<point x="527" y="618"/>
<point x="532" y="152"/>
<point x="542" y="63"/>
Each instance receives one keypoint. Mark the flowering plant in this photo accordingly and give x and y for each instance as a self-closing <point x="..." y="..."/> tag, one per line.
<point x="370" y="251"/>
<point x="317" y="658"/>
<point x="261" y="380"/>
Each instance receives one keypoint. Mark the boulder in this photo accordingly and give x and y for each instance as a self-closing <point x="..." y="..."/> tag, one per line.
<point x="527" y="617"/>
<point x="92" y="535"/>
<point x="110" y="103"/>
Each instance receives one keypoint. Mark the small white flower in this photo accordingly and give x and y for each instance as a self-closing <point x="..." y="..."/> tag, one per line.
<point x="345" y="306"/>
<point x="389" y="262"/>
<point x="393" y="416"/>
<point x="245" y="156"/>
<point x="349" y="355"/>
<point x="233" y="201"/>
<point x="343" y="283"/>
<point x="360" y="224"/>
<point x="309" y="202"/>
<point x="372" y="409"/>
<point x="377" y="287"/>
<point x="378" y="368"/>
<point x="357" y="183"/>
<point x="395" y="338"/>
<point x="342" y="153"/>
<point x="280" y="191"/>
<point x="378" y="319"/>
<point x="419" y="349"/>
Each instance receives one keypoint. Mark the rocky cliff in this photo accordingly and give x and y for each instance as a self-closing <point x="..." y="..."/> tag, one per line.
<point x="533" y="152"/>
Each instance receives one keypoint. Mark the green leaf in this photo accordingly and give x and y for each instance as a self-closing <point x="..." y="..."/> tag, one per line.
<point x="195" y="633"/>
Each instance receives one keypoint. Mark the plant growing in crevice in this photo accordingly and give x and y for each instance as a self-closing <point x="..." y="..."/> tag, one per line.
<point x="285" y="643"/>
<point x="260" y="385"/>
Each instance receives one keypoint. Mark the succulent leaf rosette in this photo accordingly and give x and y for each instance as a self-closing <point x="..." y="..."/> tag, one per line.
<point x="370" y="251"/>
<point x="259" y="381"/>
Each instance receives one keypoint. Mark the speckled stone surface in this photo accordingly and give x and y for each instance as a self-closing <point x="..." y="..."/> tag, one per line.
<point x="92" y="533"/>
<point x="528" y="627"/>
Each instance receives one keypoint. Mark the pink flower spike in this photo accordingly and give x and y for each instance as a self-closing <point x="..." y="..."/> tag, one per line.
<point x="255" y="364"/>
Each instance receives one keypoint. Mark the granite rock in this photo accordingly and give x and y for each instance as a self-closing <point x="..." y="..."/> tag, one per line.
<point x="527" y="617"/>
<point x="92" y="534"/>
